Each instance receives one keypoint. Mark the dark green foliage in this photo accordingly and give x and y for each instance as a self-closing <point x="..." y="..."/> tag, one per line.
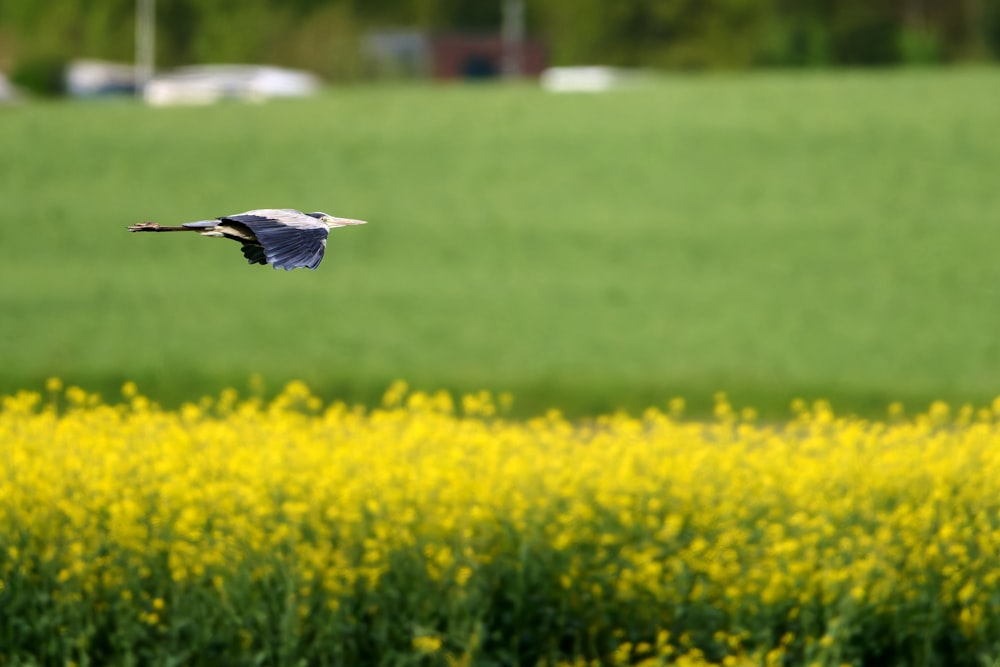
<point x="41" y="76"/>
<point x="325" y="35"/>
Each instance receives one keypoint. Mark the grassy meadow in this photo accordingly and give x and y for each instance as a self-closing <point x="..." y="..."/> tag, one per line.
<point x="773" y="235"/>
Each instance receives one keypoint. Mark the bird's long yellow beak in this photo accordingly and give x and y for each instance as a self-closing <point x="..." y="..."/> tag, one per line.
<point x="343" y="222"/>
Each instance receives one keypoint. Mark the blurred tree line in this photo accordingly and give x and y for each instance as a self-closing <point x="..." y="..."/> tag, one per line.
<point x="324" y="35"/>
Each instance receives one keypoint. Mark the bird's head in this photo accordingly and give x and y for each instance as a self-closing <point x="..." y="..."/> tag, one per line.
<point x="333" y="221"/>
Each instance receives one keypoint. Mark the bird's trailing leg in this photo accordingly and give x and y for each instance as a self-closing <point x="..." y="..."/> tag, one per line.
<point x="154" y="227"/>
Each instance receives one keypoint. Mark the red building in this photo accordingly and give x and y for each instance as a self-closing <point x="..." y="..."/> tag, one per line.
<point x="459" y="56"/>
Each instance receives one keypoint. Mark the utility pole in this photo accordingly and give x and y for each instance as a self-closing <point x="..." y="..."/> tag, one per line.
<point x="512" y="38"/>
<point x="145" y="43"/>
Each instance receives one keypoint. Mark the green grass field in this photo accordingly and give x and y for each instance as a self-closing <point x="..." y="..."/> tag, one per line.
<point x="772" y="235"/>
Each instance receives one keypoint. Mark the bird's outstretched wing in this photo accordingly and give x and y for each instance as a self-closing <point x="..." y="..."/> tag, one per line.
<point x="286" y="216"/>
<point x="290" y="239"/>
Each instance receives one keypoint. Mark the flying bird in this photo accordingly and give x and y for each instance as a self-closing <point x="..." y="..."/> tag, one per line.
<point x="282" y="237"/>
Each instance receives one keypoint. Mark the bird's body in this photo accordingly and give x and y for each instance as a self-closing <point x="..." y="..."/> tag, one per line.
<point x="282" y="237"/>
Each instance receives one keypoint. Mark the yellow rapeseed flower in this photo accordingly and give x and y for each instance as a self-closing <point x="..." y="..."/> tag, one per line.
<point x="426" y="644"/>
<point x="729" y="541"/>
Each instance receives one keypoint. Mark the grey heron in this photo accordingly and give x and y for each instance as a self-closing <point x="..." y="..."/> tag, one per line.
<point x="282" y="237"/>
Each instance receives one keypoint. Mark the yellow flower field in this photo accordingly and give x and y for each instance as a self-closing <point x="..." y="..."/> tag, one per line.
<point x="432" y="531"/>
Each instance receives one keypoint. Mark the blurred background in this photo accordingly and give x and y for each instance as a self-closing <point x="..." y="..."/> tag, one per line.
<point x="591" y="205"/>
<point x="350" y="40"/>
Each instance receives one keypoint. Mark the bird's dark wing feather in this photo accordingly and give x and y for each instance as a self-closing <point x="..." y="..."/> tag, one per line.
<point x="284" y="246"/>
<point x="254" y="253"/>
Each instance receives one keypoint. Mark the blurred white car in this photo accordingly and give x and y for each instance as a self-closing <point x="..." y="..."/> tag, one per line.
<point x="7" y="91"/>
<point x="94" y="78"/>
<point x="206" y="84"/>
<point x="589" y="79"/>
